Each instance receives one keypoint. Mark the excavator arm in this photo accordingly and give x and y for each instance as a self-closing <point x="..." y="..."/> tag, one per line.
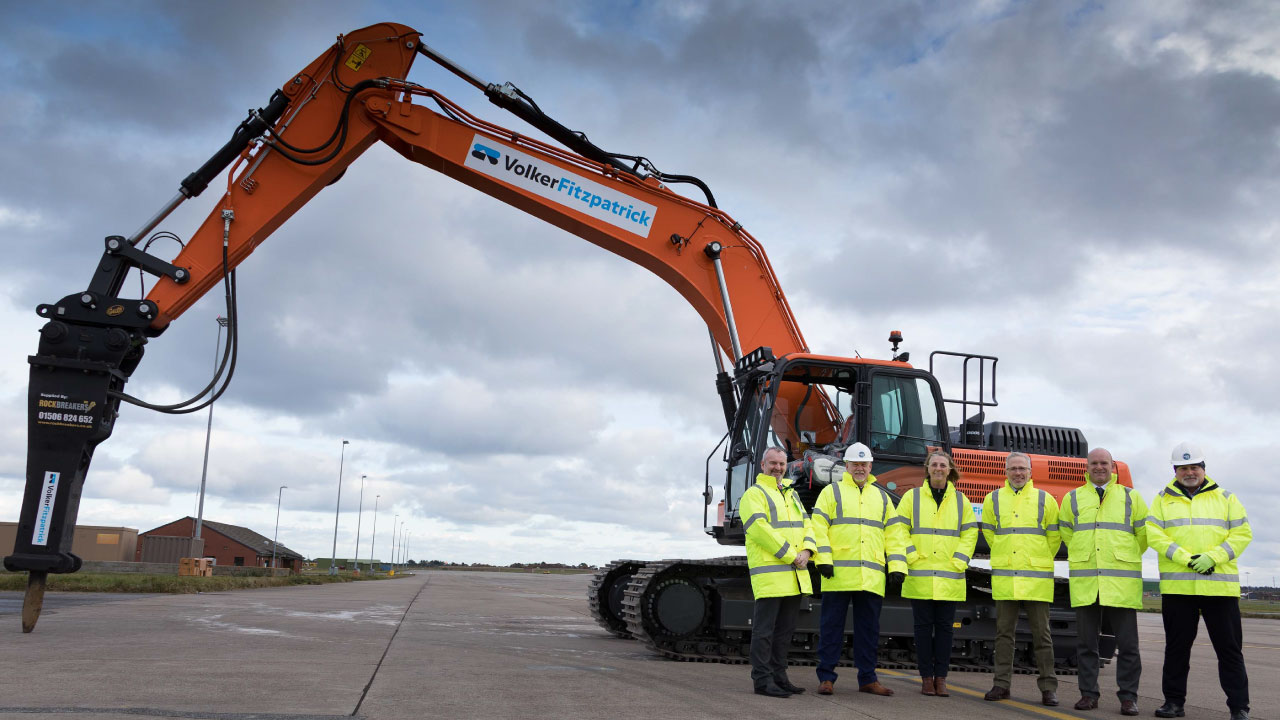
<point x="282" y="156"/>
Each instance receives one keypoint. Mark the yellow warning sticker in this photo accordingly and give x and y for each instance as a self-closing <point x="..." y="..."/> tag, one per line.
<point x="358" y="56"/>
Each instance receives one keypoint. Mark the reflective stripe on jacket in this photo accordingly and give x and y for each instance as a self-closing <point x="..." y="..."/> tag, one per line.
<point x="1213" y="523"/>
<point x="859" y="532"/>
<point x="1105" y="541"/>
<point x="777" y="530"/>
<point x="940" y="545"/>
<point x="1021" y="529"/>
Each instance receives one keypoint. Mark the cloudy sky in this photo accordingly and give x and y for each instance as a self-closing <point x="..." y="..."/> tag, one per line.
<point x="1085" y="190"/>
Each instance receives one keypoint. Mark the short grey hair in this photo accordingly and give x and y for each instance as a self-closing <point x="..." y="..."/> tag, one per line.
<point x="772" y="448"/>
<point x="1015" y="454"/>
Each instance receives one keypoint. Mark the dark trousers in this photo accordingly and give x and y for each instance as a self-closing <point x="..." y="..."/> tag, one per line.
<point x="773" y="622"/>
<point x="866" y="633"/>
<point x="933" y="623"/>
<point x="1041" y="641"/>
<point x="1123" y="623"/>
<point x="1221" y="615"/>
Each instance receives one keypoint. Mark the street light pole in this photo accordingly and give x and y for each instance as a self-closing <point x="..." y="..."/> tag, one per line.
<point x="394" y="523"/>
<point x="275" y="540"/>
<point x="208" y="431"/>
<point x="333" y="562"/>
<point x="400" y="546"/>
<point x="374" y="540"/>
<point x="359" y="517"/>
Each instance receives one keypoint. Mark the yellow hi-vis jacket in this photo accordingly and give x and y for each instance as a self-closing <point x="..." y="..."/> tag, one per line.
<point x="1021" y="529"/>
<point x="859" y="532"/>
<point x="1105" y="541"/>
<point x="942" y="538"/>
<point x="1213" y="523"/>
<point x="777" y="530"/>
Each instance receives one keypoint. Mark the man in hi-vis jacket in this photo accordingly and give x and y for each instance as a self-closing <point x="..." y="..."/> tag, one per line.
<point x="861" y="542"/>
<point x="780" y="541"/>
<point x="1020" y="523"/>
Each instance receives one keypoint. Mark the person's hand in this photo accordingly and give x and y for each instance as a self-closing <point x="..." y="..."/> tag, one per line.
<point x="827" y="571"/>
<point x="896" y="578"/>
<point x="1202" y="564"/>
<point x="802" y="559"/>
<point x="959" y="564"/>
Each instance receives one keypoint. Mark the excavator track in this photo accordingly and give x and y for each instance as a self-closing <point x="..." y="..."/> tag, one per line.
<point x="604" y="596"/>
<point x="669" y="607"/>
<point x="700" y="611"/>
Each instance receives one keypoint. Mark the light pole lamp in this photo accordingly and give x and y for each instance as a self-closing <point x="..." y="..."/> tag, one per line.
<point x="208" y="431"/>
<point x="359" y="517"/>
<point x="374" y="540"/>
<point x="333" y="561"/>
<point x="276" y="540"/>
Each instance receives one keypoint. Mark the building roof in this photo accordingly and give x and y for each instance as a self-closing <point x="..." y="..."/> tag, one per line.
<point x="247" y="537"/>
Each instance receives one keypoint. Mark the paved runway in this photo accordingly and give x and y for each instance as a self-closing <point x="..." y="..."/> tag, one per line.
<point x="463" y="645"/>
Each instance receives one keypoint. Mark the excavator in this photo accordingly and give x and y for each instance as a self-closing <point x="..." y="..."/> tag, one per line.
<point x="774" y="391"/>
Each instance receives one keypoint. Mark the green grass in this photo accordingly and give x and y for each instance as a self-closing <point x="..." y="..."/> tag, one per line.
<point x="140" y="583"/>
<point x="1248" y="608"/>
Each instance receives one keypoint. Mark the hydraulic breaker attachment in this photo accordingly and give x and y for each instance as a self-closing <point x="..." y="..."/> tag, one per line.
<point x="69" y="412"/>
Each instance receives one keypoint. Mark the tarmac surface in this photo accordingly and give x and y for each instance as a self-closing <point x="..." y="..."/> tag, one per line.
<point x="468" y="645"/>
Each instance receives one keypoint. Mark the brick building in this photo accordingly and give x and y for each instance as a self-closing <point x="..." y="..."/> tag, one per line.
<point x="229" y="544"/>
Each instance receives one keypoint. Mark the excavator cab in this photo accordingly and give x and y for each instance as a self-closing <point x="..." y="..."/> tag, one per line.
<point x="815" y="406"/>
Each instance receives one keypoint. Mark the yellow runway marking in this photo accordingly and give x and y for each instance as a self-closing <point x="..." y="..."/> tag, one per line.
<point x="1020" y="705"/>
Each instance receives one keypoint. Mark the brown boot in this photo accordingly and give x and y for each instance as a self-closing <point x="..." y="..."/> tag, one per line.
<point x="875" y="688"/>
<point x="940" y="687"/>
<point x="926" y="686"/>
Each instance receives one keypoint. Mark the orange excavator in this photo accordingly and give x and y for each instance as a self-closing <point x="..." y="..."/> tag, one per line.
<point x="775" y="391"/>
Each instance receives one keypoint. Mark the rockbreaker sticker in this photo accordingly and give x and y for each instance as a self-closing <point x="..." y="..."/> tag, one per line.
<point x="44" y="511"/>
<point x="570" y="190"/>
<point x="55" y="409"/>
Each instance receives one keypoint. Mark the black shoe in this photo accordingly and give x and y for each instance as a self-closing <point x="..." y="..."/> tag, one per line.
<point x="1170" y="709"/>
<point x="1239" y="715"/>
<point x="796" y="689"/>
<point x="772" y="691"/>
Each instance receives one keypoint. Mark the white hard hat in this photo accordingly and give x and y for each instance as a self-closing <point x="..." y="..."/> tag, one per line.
<point x="858" y="452"/>
<point x="1185" y="453"/>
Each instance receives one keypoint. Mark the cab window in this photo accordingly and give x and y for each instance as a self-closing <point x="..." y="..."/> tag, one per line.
<point x="904" y="415"/>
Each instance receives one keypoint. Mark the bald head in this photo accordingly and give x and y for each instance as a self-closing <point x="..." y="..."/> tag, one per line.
<point x="1101" y="466"/>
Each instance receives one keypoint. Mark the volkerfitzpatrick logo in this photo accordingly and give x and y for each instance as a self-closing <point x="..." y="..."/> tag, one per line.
<point x="553" y="183"/>
<point x="480" y="152"/>
<point x="44" y="513"/>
